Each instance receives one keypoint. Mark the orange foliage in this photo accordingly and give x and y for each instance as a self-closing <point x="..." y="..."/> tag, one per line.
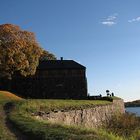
<point x="47" y="56"/>
<point x="19" y="51"/>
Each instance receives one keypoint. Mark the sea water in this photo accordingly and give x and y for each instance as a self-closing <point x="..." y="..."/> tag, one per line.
<point x="135" y="110"/>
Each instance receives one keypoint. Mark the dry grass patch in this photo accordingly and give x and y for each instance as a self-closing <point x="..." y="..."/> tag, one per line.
<point x="5" y="95"/>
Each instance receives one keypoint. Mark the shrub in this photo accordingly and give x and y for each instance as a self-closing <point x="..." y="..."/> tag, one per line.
<point x="125" y="125"/>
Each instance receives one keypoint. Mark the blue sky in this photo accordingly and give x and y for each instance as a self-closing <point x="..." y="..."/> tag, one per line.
<point x="103" y="35"/>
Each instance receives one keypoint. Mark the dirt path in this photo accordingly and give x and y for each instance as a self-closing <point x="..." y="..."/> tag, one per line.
<point x="9" y="132"/>
<point x="5" y="133"/>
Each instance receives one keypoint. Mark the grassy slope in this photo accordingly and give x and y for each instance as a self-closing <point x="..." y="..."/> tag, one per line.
<point x="5" y="133"/>
<point x="36" y="129"/>
<point x="43" y="130"/>
<point x="22" y="119"/>
<point x="6" y="96"/>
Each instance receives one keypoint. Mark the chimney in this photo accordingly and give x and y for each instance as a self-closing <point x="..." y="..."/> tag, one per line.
<point x="61" y="58"/>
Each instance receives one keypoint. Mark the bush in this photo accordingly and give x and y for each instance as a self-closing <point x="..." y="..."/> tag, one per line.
<point x="125" y="125"/>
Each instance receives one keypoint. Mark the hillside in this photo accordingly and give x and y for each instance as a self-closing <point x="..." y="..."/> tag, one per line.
<point x="135" y="103"/>
<point x="5" y="95"/>
<point x="20" y="123"/>
<point x="23" y="123"/>
<point x="5" y="129"/>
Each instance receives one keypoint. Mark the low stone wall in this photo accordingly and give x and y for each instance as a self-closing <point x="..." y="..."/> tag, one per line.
<point x="90" y="117"/>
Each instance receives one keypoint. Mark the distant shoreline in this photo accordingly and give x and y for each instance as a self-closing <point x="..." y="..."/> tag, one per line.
<point x="133" y="104"/>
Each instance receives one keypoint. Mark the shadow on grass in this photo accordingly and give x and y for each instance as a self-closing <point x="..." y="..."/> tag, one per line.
<point x="7" y="108"/>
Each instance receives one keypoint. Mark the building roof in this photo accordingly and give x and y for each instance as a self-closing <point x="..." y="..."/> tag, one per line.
<point x="59" y="64"/>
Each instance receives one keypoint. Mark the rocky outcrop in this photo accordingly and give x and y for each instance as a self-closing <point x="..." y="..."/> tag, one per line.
<point x="90" y="117"/>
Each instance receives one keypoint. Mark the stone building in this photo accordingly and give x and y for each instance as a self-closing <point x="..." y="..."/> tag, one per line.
<point x="56" y="79"/>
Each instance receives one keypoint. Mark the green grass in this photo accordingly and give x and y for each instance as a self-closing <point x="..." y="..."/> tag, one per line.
<point x="37" y="129"/>
<point x="22" y="119"/>
<point x="52" y="105"/>
<point x="5" y="133"/>
<point x="40" y="129"/>
<point x="43" y="130"/>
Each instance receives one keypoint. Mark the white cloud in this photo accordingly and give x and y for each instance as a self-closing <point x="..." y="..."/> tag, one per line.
<point x="137" y="19"/>
<point x="109" y="23"/>
<point x="110" y="20"/>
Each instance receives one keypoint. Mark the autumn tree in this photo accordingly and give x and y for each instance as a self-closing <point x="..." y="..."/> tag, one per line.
<point x="19" y="51"/>
<point x="47" y="56"/>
